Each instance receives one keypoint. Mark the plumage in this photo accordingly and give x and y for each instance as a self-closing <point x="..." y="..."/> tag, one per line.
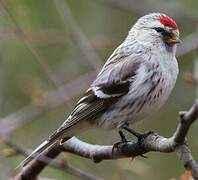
<point x="135" y="81"/>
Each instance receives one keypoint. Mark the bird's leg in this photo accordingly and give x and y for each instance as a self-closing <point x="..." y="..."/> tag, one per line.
<point x="140" y="136"/>
<point x="123" y="138"/>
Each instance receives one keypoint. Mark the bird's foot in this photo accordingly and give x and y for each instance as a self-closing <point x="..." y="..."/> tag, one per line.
<point x="138" y="135"/>
<point x="124" y="143"/>
<point x="123" y="140"/>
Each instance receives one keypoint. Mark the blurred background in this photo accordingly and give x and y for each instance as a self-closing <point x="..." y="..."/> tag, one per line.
<point x="51" y="50"/>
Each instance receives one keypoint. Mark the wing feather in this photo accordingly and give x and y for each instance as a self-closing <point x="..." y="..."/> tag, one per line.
<point x="103" y="92"/>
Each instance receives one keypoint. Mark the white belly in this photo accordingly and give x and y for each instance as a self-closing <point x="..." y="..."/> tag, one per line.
<point x="137" y="104"/>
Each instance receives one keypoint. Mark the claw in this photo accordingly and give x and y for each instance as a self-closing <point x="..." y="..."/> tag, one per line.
<point x="140" y="136"/>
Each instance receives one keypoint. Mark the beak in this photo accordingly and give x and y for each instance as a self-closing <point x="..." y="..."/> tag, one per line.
<point x="172" y="39"/>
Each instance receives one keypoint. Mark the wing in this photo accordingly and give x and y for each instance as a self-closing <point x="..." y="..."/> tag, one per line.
<point x="112" y="83"/>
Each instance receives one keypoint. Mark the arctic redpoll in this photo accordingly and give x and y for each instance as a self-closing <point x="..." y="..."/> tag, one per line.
<point x="135" y="81"/>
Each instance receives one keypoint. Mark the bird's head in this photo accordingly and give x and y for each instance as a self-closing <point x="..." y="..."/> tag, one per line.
<point x="156" y="29"/>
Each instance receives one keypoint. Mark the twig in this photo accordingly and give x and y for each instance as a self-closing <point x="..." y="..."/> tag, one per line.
<point x="142" y="7"/>
<point x="43" y="64"/>
<point x="79" y="36"/>
<point x="188" y="78"/>
<point x="16" y="119"/>
<point x="189" y="43"/>
<point x="153" y="142"/>
<point x="53" y="37"/>
<point x="60" y="165"/>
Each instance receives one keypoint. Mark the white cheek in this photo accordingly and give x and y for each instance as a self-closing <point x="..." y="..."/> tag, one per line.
<point x="145" y="36"/>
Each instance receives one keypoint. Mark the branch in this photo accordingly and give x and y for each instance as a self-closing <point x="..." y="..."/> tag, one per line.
<point x="81" y="39"/>
<point x="189" y="43"/>
<point x="182" y="14"/>
<point x="60" y="165"/>
<point x="41" y="61"/>
<point x="153" y="142"/>
<point x="16" y="119"/>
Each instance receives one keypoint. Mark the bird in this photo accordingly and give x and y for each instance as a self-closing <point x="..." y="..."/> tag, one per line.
<point x="135" y="82"/>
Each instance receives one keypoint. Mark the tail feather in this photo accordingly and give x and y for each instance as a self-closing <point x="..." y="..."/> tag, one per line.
<point x="57" y="135"/>
<point x="36" y="152"/>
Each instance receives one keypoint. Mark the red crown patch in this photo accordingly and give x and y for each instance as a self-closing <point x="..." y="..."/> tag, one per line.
<point x="167" y="21"/>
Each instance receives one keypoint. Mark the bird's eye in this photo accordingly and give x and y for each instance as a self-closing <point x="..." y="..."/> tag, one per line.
<point x="163" y="32"/>
<point x="159" y="29"/>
